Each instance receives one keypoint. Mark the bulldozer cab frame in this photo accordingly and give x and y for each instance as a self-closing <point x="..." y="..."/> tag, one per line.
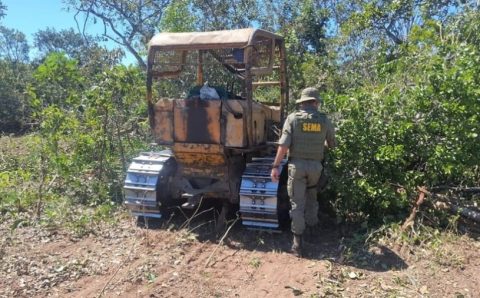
<point x="251" y="59"/>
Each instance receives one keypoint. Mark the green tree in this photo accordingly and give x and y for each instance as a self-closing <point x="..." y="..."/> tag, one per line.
<point x="92" y="58"/>
<point x="15" y="107"/>
<point x="13" y="45"/>
<point x="130" y="24"/>
<point x="57" y="81"/>
<point x="223" y="14"/>
<point x="178" y="17"/>
<point x="85" y="125"/>
<point x="14" y="76"/>
<point x="304" y="27"/>
<point x="415" y="125"/>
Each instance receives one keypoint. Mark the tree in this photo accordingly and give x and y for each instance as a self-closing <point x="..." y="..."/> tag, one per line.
<point x="128" y="23"/>
<point x="413" y="123"/>
<point x="226" y="14"/>
<point x="390" y="20"/>
<point x="14" y="75"/>
<point x="67" y="41"/>
<point x="84" y="48"/>
<point x="57" y="81"/>
<point x="3" y="8"/>
<point x="13" y="45"/>
<point x="15" y="108"/>
<point x="178" y="17"/>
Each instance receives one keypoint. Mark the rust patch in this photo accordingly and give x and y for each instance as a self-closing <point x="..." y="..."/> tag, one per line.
<point x="197" y="121"/>
<point x="200" y="159"/>
<point x="163" y="129"/>
<point x="235" y="127"/>
<point x="199" y="155"/>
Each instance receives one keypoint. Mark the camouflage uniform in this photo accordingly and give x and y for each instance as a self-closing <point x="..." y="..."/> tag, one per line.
<point x="304" y="133"/>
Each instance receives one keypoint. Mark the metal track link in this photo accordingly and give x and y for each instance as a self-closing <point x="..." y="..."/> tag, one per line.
<point x="258" y="195"/>
<point x="141" y="183"/>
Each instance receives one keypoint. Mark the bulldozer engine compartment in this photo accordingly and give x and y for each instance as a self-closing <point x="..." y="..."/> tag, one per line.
<point x="217" y="101"/>
<point x="212" y="122"/>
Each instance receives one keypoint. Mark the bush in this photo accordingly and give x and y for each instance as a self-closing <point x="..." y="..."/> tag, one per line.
<point x="416" y="125"/>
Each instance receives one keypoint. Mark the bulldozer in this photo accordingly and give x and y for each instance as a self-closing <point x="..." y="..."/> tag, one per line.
<point x="216" y="102"/>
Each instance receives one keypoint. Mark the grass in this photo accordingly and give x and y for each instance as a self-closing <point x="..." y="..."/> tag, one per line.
<point x="255" y="262"/>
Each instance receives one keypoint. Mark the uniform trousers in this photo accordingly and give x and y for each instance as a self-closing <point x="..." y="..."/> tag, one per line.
<point x="303" y="177"/>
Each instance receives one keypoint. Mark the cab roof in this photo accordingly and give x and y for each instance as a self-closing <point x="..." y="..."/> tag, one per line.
<point x="238" y="38"/>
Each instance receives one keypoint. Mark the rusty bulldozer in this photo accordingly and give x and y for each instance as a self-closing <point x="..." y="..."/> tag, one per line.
<point x="216" y="101"/>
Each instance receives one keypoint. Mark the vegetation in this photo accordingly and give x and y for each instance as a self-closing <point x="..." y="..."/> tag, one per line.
<point x="400" y="78"/>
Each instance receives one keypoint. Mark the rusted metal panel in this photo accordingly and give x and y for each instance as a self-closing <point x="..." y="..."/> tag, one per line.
<point x="210" y="172"/>
<point x="258" y="117"/>
<point x="163" y="129"/>
<point x="198" y="148"/>
<point x="249" y="96"/>
<point x="235" y="129"/>
<point x="272" y="113"/>
<point x="199" y="155"/>
<point x="276" y="113"/>
<point x="197" y="121"/>
<point x="202" y="160"/>
<point x="284" y="82"/>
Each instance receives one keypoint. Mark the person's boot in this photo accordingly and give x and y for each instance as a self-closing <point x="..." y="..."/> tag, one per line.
<point x="297" y="245"/>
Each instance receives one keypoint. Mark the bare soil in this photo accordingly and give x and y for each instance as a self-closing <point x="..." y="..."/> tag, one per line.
<point x="183" y="259"/>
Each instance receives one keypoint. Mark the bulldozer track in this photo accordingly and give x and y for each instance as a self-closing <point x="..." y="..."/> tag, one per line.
<point x="259" y="195"/>
<point x="141" y="183"/>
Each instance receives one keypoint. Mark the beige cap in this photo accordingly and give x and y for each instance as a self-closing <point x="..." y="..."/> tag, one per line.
<point x="309" y="93"/>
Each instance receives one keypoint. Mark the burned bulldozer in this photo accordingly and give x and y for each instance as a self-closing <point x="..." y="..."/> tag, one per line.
<point x="216" y="103"/>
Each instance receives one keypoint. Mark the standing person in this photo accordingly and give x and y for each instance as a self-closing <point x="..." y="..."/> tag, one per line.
<point x="304" y="136"/>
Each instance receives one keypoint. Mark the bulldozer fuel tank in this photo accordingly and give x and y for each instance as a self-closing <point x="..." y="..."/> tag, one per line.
<point x="259" y="196"/>
<point x="141" y="183"/>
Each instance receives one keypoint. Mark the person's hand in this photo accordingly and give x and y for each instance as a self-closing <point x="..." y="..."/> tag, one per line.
<point x="275" y="174"/>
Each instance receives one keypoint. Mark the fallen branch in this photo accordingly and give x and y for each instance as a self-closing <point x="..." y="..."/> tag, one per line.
<point x="220" y="242"/>
<point x="444" y="205"/>
<point x="457" y="189"/>
<point x="411" y="219"/>
<point x="118" y="269"/>
<point x="462" y="211"/>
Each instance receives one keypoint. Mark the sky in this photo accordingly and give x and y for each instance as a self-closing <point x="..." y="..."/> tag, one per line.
<point x="30" y="16"/>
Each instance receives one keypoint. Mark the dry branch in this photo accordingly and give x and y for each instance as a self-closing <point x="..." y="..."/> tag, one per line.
<point x="465" y="212"/>
<point x="462" y="211"/>
<point x="411" y="219"/>
<point x="220" y="242"/>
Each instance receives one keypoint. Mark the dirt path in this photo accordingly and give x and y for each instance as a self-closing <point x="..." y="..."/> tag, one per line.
<point x="127" y="261"/>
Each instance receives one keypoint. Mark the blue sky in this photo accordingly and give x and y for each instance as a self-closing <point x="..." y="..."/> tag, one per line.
<point x="30" y="16"/>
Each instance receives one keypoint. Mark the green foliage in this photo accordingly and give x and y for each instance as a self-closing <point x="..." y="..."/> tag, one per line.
<point x="87" y="146"/>
<point x="88" y="128"/>
<point x="128" y="23"/>
<point x="400" y="78"/>
<point x="17" y="173"/>
<point x="14" y="76"/>
<point x="56" y="82"/>
<point x="13" y="45"/>
<point x="178" y="18"/>
<point x="416" y="126"/>
<point x="15" y="107"/>
<point x="84" y="48"/>
<point x="225" y="14"/>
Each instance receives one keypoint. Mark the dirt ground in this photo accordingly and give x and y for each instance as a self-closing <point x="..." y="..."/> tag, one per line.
<point x="183" y="259"/>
